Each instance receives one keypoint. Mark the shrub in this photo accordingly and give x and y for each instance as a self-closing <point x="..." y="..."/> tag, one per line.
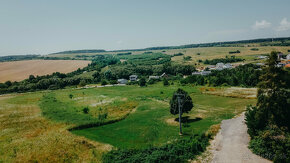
<point x="70" y="96"/>
<point x="272" y="143"/>
<point x="142" y="82"/>
<point x="178" y="54"/>
<point x="255" y="49"/>
<point x="187" y="58"/>
<point x="104" y="82"/>
<point x="86" y="110"/>
<point x="165" y="82"/>
<point x="113" y="82"/>
<point x="179" y="151"/>
<point x="82" y="83"/>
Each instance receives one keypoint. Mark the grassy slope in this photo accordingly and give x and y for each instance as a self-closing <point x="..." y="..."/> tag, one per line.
<point x="27" y="136"/>
<point x="205" y="53"/>
<point x="152" y="124"/>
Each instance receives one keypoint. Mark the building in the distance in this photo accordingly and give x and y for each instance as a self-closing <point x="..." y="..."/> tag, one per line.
<point x="154" y="77"/>
<point x="133" y="77"/>
<point x="122" y="81"/>
<point x="201" y="73"/>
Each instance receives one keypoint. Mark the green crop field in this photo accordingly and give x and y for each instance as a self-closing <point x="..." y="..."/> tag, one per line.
<point x="200" y="53"/>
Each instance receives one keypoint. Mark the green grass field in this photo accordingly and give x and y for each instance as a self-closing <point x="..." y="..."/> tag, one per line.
<point x="205" y="53"/>
<point x="48" y="115"/>
<point x="149" y="124"/>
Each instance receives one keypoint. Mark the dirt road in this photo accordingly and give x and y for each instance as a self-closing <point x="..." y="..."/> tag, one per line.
<point x="231" y="143"/>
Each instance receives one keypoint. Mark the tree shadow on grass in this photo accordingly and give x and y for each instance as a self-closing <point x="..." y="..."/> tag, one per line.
<point x="186" y="119"/>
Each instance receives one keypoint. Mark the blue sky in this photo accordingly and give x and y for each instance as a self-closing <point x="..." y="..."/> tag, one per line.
<point x="42" y="27"/>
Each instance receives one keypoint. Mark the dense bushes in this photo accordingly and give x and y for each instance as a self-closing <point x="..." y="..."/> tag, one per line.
<point x="269" y="122"/>
<point x="223" y="60"/>
<point x="244" y="75"/>
<point x="178" y="54"/>
<point x="272" y="143"/>
<point x="233" y="52"/>
<point x="178" y="151"/>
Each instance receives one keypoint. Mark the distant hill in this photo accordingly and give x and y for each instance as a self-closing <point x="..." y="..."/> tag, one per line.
<point x="18" y="57"/>
<point x="280" y="41"/>
<point x="81" y="51"/>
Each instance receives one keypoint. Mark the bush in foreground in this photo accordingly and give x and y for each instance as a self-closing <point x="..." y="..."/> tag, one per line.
<point x="180" y="150"/>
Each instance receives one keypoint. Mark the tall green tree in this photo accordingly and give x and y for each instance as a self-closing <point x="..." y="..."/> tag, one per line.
<point x="142" y="82"/>
<point x="180" y="103"/>
<point x="273" y="104"/>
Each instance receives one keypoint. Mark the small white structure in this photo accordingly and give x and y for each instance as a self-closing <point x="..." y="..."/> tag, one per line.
<point x="122" y="81"/>
<point x="219" y="66"/>
<point x="133" y="77"/>
<point x="164" y="75"/>
<point x="260" y="64"/>
<point x="288" y="57"/>
<point x="228" y="65"/>
<point x="201" y="73"/>
<point x="262" y="57"/>
<point x="154" y="77"/>
<point x="280" y="56"/>
<point x="211" y="67"/>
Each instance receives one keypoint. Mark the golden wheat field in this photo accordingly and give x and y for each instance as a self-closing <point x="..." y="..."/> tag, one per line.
<point x="19" y="70"/>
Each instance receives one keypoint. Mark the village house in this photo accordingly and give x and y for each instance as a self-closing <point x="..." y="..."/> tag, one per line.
<point x="133" y="77"/>
<point x="154" y="77"/>
<point x="280" y="56"/>
<point x="219" y="66"/>
<point x="122" y="81"/>
<point x="262" y="57"/>
<point x="202" y="73"/>
<point x="164" y="75"/>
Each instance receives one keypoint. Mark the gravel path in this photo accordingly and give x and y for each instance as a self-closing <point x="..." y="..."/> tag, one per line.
<point x="231" y="143"/>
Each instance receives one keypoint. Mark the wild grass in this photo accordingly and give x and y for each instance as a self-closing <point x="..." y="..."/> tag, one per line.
<point x="205" y="53"/>
<point x="149" y="124"/>
<point x="34" y="125"/>
<point x="26" y="136"/>
<point x="236" y="92"/>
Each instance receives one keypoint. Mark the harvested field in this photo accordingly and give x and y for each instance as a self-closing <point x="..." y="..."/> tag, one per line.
<point x="20" y="70"/>
<point x="236" y="92"/>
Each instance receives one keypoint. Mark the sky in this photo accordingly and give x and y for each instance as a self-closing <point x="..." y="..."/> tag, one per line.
<point x="43" y="27"/>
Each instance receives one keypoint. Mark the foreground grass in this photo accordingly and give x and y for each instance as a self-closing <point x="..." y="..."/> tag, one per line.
<point x="34" y="125"/>
<point x="152" y="124"/>
<point x="28" y="137"/>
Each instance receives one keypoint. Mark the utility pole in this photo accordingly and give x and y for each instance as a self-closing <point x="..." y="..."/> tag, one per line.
<point x="179" y="108"/>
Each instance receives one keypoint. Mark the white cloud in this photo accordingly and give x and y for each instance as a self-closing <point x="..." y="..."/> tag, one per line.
<point x="261" y="25"/>
<point x="284" y="25"/>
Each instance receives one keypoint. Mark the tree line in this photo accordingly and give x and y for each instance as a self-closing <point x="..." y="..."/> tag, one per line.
<point x="269" y="121"/>
<point x="223" y="60"/>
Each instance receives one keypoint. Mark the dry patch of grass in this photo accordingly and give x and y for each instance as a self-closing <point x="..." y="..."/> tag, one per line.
<point x="28" y="137"/>
<point x="20" y="70"/>
<point x="236" y="92"/>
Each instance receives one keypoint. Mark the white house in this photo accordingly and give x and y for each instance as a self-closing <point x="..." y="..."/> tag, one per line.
<point x="219" y="66"/>
<point x="164" y="75"/>
<point x="288" y="57"/>
<point x="262" y="57"/>
<point x="201" y="73"/>
<point x="154" y="77"/>
<point x="280" y="56"/>
<point x="133" y="77"/>
<point x="122" y="81"/>
<point x="228" y="65"/>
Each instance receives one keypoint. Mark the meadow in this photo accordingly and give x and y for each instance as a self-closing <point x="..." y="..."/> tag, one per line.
<point x="201" y="53"/>
<point x="20" y="70"/>
<point x="34" y="126"/>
